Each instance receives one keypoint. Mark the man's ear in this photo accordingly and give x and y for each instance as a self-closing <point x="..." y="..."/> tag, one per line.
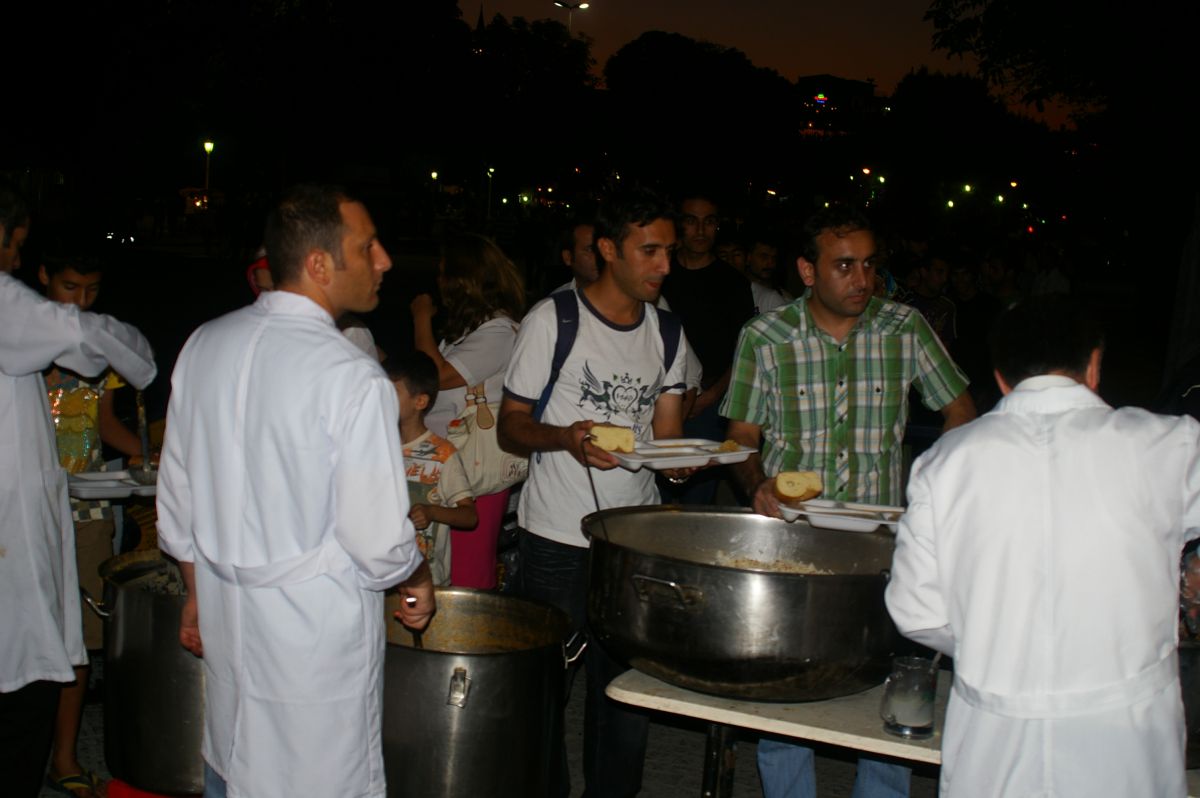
<point x="318" y="265"/>
<point x="1005" y="388"/>
<point x="43" y="275"/>
<point x="808" y="271"/>
<point x="1091" y="377"/>
<point x="568" y="257"/>
<point x="608" y="249"/>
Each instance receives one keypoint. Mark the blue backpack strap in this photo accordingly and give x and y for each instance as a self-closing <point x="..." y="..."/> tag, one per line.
<point x="670" y="328"/>
<point x="566" y="311"/>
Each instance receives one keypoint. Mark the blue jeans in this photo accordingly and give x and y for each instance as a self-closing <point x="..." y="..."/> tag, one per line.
<point x="214" y="785"/>
<point x="786" y="771"/>
<point x="614" y="738"/>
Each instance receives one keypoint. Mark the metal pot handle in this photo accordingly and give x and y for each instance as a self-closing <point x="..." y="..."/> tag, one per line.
<point x="97" y="606"/>
<point x="576" y="639"/>
<point x="460" y="686"/>
<point x="686" y="595"/>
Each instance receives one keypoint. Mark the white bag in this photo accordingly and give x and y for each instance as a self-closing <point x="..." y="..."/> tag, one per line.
<point x="489" y="468"/>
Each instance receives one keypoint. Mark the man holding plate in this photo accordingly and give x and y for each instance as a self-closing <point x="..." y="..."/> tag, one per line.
<point x="822" y="385"/>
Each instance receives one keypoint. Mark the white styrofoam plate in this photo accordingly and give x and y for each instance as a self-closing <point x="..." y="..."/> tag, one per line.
<point x="844" y="516"/>
<point x="679" y="453"/>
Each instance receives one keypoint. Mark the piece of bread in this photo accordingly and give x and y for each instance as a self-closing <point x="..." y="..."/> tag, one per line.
<point x="797" y="486"/>
<point x="612" y="438"/>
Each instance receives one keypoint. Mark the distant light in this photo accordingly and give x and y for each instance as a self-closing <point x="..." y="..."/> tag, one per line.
<point x="549" y="189"/>
<point x="771" y="191"/>
<point x="821" y="98"/>
<point x="109" y="236"/>
<point x="949" y="203"/>
<point x="491" y="171"/>
<point x="851" y="177"/>
<point x="967" y="188"/>
<point x="881" y="180"/>
<point x="208" y="147"/>
<point x="1029" y="229"/>
<point x="1012" y="183"/>
<point x="826" y="204"/>
<point x="504" y="200"/>
<point x="525" y="198"/>
<point x="999" y="198"/>
<point x="576" y="170"/>
<point x="433" y="175"/>
<point x="1062" y="218"/>
<point x="866" y="170"/>
<point x="1025" y="206"/>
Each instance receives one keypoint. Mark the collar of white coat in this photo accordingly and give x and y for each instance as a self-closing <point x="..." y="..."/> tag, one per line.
<point x="1049" y="393"/>
<point x="292" y="304"/>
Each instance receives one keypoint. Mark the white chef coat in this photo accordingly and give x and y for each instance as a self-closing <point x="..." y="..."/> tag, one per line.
<point x="39" y="585"/>
<point x="282" y="479"/>
<point x="1041" y="549"/>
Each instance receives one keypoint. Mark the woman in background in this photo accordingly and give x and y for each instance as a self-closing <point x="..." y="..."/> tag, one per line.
<point x="482" y="301"/>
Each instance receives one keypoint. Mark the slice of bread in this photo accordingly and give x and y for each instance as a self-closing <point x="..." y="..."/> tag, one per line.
<point x="612" y="438"/>
<point x="797" y="486"/>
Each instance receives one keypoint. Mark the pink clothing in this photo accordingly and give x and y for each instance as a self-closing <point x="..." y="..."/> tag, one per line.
<point x="473" y="552"/>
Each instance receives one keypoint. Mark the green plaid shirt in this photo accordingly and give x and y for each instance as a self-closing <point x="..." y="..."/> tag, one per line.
<point x="838" y="408"/>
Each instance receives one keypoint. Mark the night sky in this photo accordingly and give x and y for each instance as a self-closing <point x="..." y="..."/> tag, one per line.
<point x="858" y="39"/>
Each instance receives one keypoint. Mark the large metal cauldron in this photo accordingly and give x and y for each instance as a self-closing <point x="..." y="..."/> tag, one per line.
<point x="476" y="711"/>
<point x="710" y="600"/>
<point x="153" y="688"/>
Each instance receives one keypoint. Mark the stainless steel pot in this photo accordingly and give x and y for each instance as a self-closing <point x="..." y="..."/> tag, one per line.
<point x="713" y="601"/>
<point x="153" y="688"/>
<point x="476" y="711"/>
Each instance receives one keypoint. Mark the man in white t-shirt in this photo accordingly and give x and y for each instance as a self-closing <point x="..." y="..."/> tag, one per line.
<point x="613" y="374"/>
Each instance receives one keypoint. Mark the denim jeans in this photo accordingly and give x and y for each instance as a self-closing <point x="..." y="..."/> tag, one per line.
<point x="786" y="771"/>
<point x="214" y="785"/>
<point x="614" y="738"/>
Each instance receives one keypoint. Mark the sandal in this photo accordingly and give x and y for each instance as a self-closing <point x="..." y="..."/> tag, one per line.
<point x="78" y="785"/>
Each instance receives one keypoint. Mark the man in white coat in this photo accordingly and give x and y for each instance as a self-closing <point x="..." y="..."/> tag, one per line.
<point x="1041" y="550"/>
<point x="42" y="639"/>
<point x="281" y="492"/>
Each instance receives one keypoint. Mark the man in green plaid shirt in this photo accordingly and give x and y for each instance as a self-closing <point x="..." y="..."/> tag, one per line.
<point x="822" y="384"/>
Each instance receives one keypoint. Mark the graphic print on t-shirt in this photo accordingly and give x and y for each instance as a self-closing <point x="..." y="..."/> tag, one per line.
<point x="622" y="395"/>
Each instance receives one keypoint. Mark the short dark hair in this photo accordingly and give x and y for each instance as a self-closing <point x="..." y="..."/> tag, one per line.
<point x="417" y="371"/>
<point x="840" y="218"/>
<point x="71" y="251"/>
<point x="308" y="217"/>
<point x="14" y="211"/>
<point x="566" y="237"/>
<point x="1043" y="335"/>
<point x="638" y="206"/>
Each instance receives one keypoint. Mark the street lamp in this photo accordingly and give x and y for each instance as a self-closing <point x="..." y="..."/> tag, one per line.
<point x="208" y="148"/>
<point x="570" y="7"/>
<point x="490" y="173"/>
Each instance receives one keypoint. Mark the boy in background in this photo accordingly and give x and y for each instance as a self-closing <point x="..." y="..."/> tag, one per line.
<point x="438" y="489"/>
<point x="84" y="417"/>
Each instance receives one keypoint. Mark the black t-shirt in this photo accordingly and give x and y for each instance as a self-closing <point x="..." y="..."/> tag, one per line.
<point x="714" y="303"/>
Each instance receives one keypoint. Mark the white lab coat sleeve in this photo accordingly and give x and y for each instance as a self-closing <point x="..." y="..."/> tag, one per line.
<point x="38" y="332"/>
<point x="174" y="496"/>
<point x="372" y="523"/>
<point x="915" y="597"/>
<point x="1191" y="485"/>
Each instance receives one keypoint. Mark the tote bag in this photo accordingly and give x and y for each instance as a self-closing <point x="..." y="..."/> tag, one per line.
<point x="489" y="468"/>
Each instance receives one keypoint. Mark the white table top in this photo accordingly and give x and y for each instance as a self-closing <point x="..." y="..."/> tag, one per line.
<point x="851" y="721"/>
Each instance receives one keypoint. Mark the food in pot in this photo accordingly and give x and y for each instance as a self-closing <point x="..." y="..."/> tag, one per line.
<point x="776" y="566"/>
<point x="612" y="438"/>
<point x="797" y="486"/>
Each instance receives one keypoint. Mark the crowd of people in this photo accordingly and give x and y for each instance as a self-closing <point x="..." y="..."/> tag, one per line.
<point x="304" y="472"/>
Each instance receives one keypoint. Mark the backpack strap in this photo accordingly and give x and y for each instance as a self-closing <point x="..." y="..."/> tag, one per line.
<point x="669" y="327"/>
<point x="566" y="311"/>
